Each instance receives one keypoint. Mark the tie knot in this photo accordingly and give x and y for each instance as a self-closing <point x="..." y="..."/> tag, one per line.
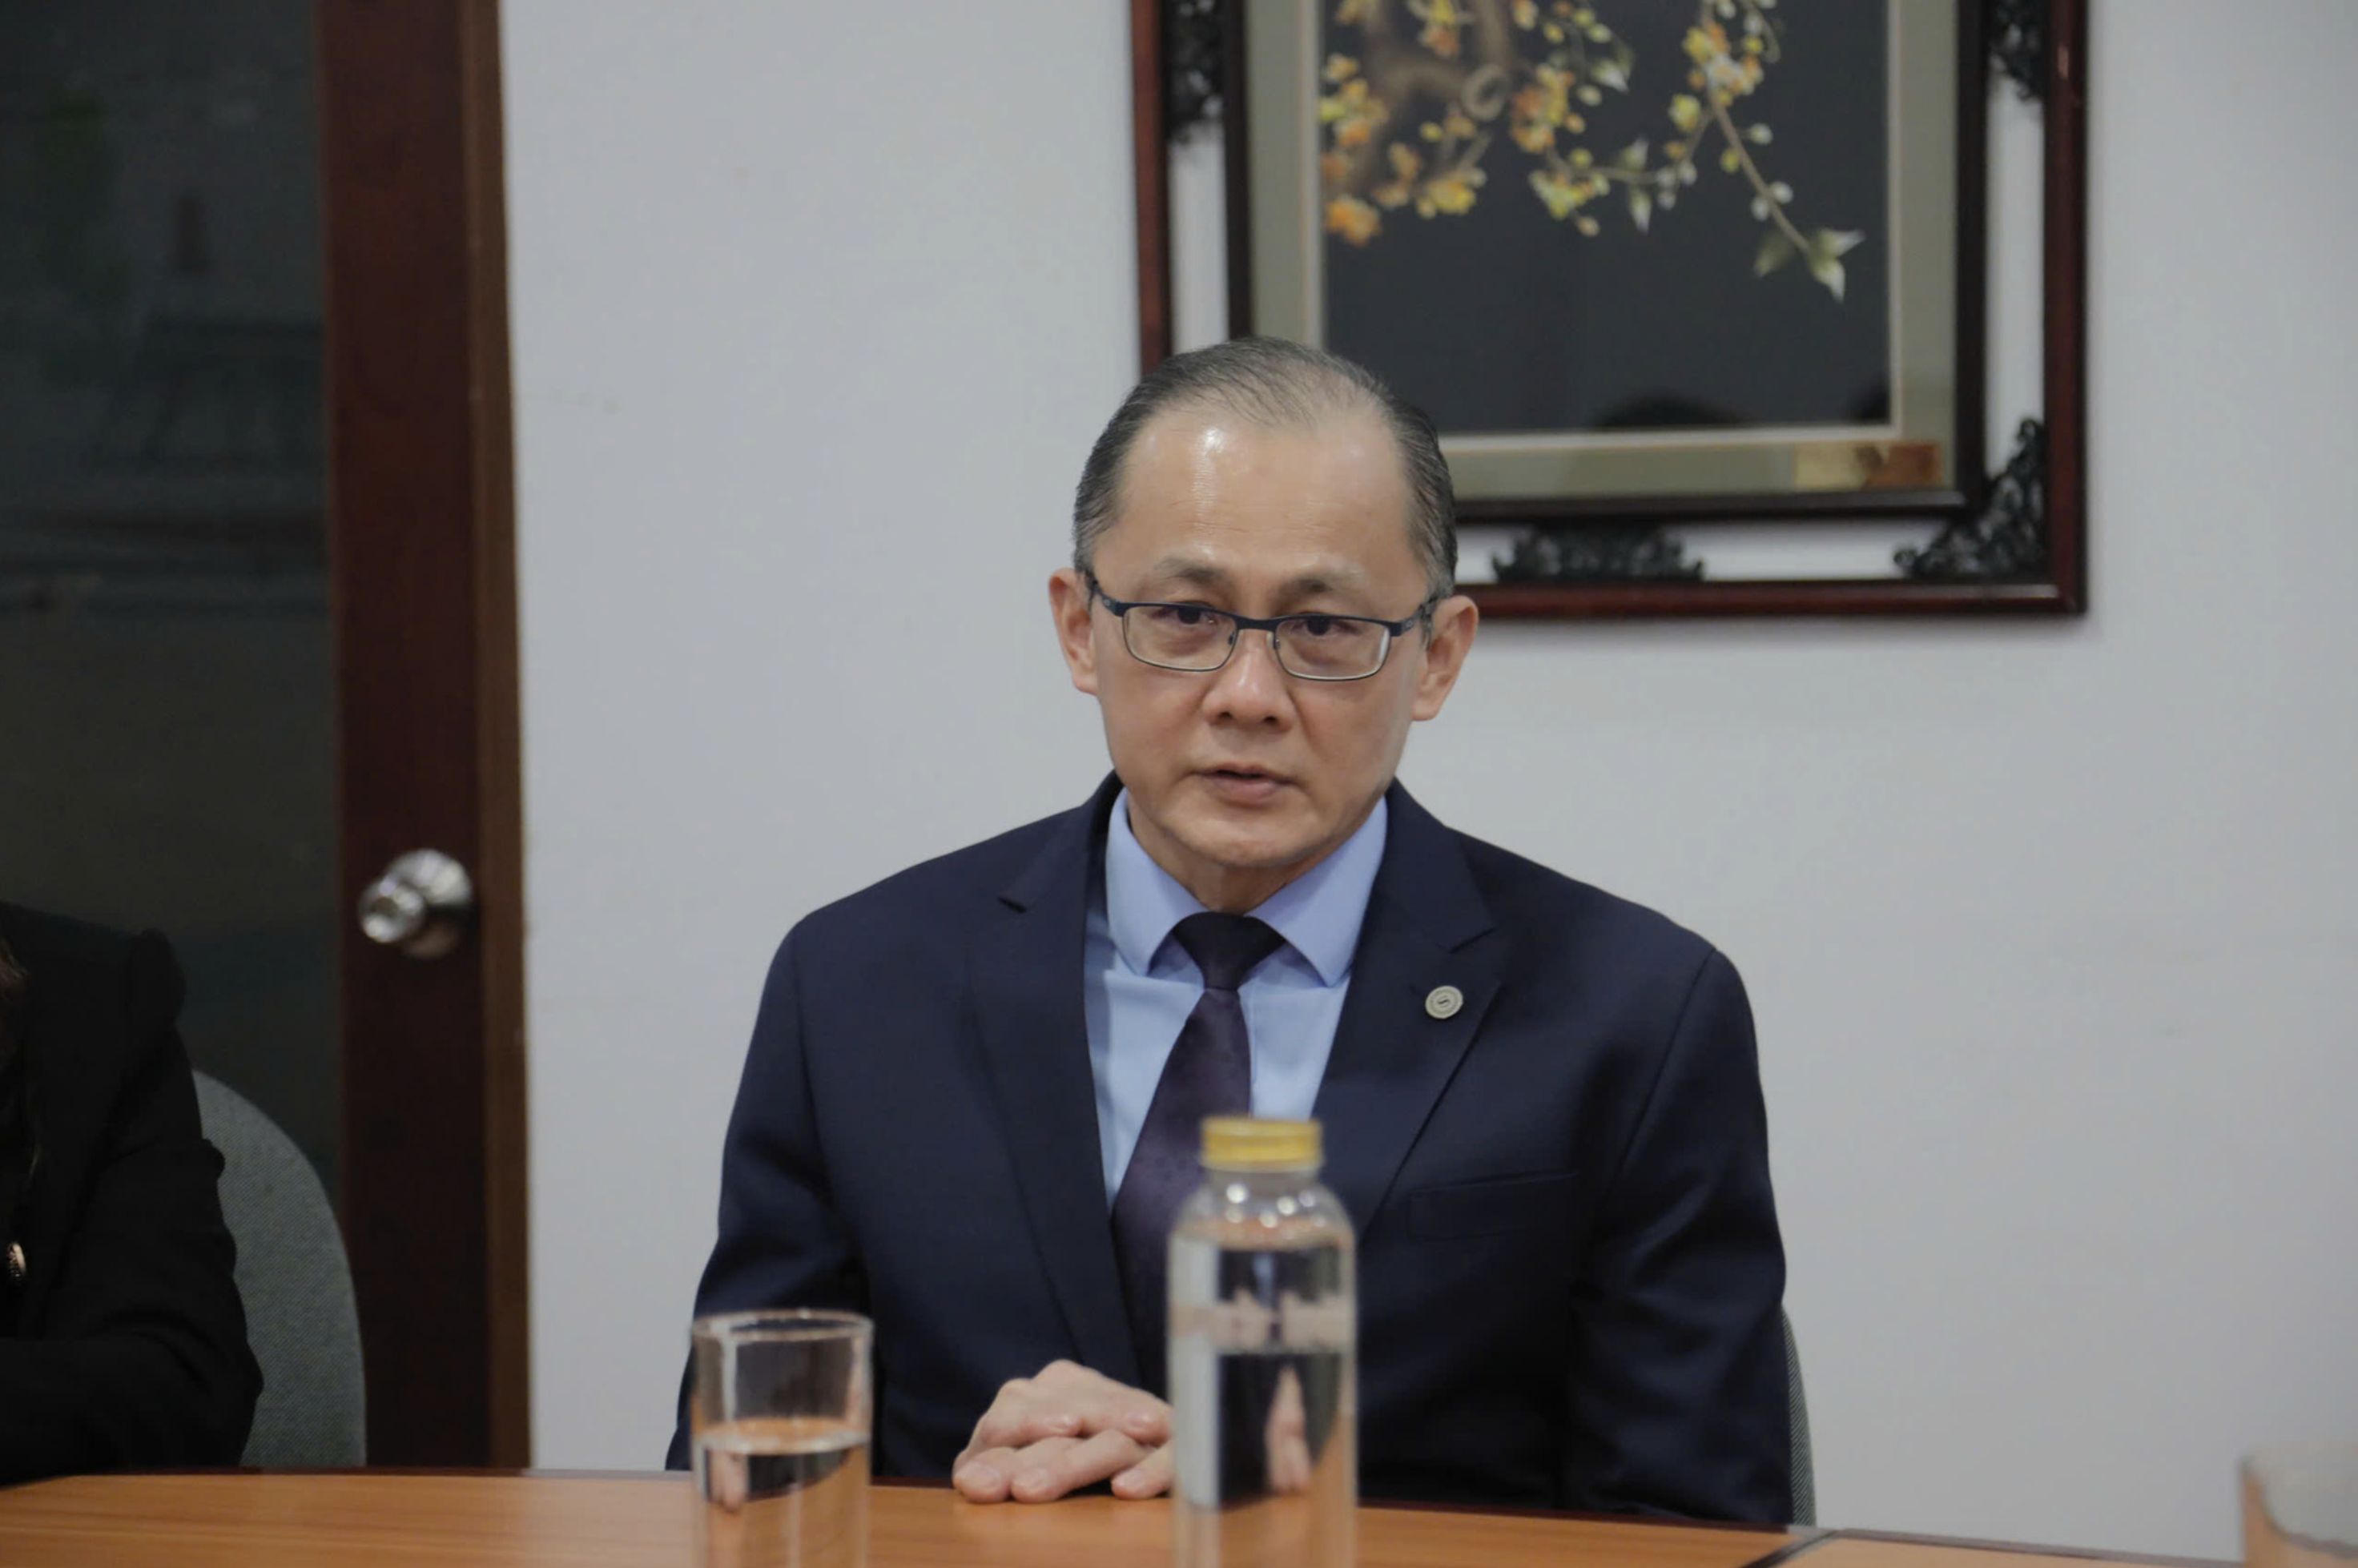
<point x="1227" y="947"/>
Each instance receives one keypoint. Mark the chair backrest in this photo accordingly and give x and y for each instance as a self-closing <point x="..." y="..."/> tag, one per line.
<point x="1797" y="1412"/>
<point x="300" y="1316"/>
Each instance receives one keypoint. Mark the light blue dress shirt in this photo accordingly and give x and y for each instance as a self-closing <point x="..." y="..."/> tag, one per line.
<point x="1139" y="985"/>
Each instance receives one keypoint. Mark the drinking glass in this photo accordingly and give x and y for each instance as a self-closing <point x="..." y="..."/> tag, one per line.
<point x="2300" y="1506"/>
<point x="778" y="1425"/>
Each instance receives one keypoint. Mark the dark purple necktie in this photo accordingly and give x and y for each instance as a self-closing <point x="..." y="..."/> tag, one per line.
<point x="1209" y="1074"/>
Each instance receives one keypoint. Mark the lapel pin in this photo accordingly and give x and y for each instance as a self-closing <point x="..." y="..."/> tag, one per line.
<point x="1442" y="1001"/>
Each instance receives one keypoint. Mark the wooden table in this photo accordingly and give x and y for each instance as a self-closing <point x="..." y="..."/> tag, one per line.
<point x="378" y="1518"/>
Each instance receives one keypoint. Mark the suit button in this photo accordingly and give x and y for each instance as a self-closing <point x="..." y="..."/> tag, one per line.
<point x="1442" y="1001"/>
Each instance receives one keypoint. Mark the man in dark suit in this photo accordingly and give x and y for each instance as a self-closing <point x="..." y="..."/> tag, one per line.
<point x="1542" y="1105"/>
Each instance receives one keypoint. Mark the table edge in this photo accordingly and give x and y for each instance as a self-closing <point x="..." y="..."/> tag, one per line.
<point x="2027" y="1548"/>
<point x="1801" y="1539"/>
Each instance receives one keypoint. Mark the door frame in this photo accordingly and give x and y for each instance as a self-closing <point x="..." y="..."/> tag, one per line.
<point x="423" y="602"/>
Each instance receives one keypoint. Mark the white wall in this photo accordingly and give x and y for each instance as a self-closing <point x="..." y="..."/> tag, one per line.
<point x="2049" y="926"/>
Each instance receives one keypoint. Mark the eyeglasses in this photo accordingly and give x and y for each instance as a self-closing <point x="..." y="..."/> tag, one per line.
<point x="1198" y="638"/>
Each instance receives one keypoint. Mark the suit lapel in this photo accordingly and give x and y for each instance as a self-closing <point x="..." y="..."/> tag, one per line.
<point x="1427" y="928"/>
<point x="1027" y="989"/>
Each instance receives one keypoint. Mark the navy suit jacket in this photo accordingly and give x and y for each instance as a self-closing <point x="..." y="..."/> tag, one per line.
<point x="1569" y="1270"/>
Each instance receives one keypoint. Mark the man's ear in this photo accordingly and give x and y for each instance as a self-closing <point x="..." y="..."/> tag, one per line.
<point x="1454" y="620"/>
<point x="1068" y="605"/>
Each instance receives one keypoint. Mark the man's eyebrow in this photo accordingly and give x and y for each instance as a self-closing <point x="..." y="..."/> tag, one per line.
<point x="1195" y="573"/>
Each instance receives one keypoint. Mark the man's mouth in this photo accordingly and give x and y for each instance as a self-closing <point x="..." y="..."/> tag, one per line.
<point x="1243" y="783"/>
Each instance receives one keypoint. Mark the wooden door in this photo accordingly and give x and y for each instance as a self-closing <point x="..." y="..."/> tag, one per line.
<point x="423" y="565"/>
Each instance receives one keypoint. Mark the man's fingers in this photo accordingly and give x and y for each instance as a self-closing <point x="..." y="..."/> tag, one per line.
<point x="1289" y="1465"/>
<point x="1150" y="1477"/>
<point x="1148" y="1424"/>
<point x="1046" y="1471"/>
<point x="981" y="1475"/>
<point x="1013" y="1424"/>
<point x="1068" y="1427"/>
<point x="725" y="1478"/>
<point x="985" y="1474"/>
<point x="1069" y="1401"/>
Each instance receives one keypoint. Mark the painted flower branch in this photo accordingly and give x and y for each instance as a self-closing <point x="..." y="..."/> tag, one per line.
<point x="1475" y="63"/>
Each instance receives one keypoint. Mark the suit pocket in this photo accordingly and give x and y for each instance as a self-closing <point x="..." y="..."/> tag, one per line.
<point x="1497" y="1206"/>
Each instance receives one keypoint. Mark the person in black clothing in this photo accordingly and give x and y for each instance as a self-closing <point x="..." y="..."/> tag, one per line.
<point x="122" y="1337"/>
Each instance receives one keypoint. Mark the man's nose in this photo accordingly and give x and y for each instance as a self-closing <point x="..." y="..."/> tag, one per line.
<point x="1251" y="686"/>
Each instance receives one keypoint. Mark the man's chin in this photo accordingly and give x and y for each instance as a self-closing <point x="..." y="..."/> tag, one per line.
<point x="1250" y="846"/>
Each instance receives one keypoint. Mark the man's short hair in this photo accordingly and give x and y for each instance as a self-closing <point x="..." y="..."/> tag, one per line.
<point x="1279" y="384"/>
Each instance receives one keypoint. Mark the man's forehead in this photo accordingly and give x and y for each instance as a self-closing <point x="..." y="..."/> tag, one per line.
<point x="1203" y="568"/>
<point x="1222" y="467"/>
<point x="1237" y="508"/>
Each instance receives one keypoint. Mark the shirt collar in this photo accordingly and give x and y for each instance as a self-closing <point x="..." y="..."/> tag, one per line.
<point x="1318" y="913"/>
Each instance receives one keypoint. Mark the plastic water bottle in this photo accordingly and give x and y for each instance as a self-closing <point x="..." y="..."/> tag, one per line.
<point x="1264" y="1386"/>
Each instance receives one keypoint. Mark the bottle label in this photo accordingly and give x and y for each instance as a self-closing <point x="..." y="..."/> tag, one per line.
<point x="1244" y="1323"/>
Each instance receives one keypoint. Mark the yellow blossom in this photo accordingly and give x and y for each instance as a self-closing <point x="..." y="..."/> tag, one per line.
<point x="1406" y="165"/>
<point x="1527" y="14"/>
<point x="1456" y="124"/>
<point x="1706" y="43"/>
<point x="1686" y="114"/>
<point x="1543" y="108"/>
<point x="1441" y="22"/>
<point x="1340" y="67"/>
<point x="1451" y="192"/>
<point x="1549" y="99"/>
<point x="1354" y="13"/>
<point x="1342" y="105"/>
<point x="1354" y="111"/>
<point x="1728" y="76"/>
<point x="1353" y="219"/>
<point x="1560" y="195"/>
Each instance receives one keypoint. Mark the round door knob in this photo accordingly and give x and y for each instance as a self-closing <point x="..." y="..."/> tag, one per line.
<point x="421" y="904"/>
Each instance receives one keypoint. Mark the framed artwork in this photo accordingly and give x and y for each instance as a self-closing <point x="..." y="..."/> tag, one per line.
<point x="1661" y="270"/>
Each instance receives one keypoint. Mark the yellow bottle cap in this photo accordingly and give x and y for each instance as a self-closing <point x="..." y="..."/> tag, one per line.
<point x="1255" y="1143"/>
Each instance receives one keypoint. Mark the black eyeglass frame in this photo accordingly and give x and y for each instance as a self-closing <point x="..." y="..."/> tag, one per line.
<point x="1241" y="624"/>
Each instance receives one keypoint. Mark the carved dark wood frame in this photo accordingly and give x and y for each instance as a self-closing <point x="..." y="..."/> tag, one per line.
<point x="2020" y="549"/>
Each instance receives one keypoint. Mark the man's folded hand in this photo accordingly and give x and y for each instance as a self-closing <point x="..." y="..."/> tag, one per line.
<point x="1066" y="1427"/>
